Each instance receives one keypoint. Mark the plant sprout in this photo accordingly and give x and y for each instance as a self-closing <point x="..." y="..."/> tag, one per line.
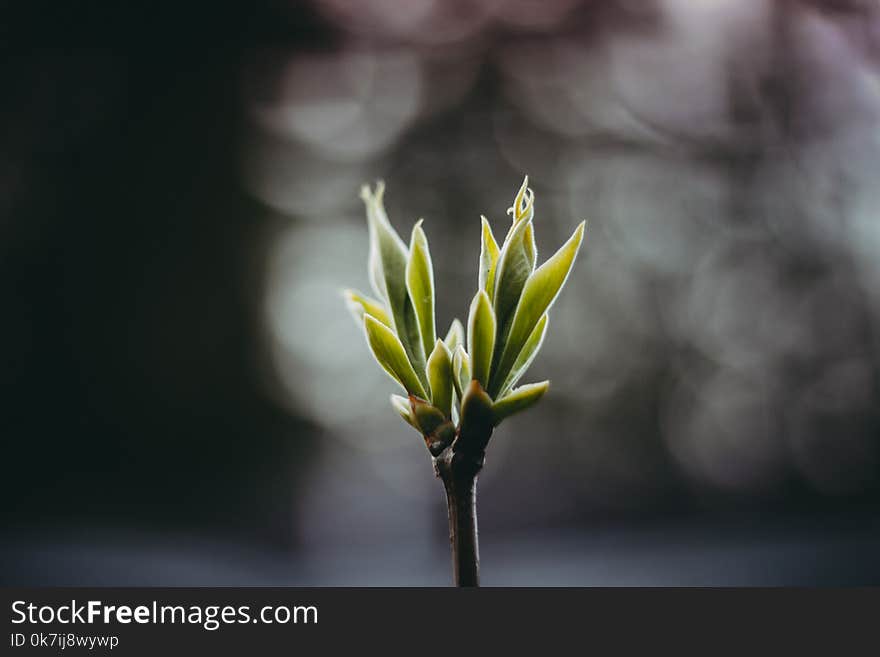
<point x="459" y="388"/>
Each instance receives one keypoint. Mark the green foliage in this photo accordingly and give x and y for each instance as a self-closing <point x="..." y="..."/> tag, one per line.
<point x="526" y="355"/>
<point x="420" y="286"/>
<point x="466" y="378"/>
<point x="403" y="408"/>
<point x="455" y="336"/>
<point x="514" y="268"/>
<point x="461" y="370"/>
<point x="360" y="305"/>
<point x="518" y="400"/>
<point x="388" y="350"/>
<point x="440" y="378"/>
<point x="481" y="337"/>
<point x="539" y="292"/>
<point x="489" y="252"/>
<point x="388" y="263"/>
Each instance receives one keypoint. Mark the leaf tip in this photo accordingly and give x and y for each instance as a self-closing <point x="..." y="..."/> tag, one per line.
<point x="369" y="196"/>
<point x="366" y="195"/>
<point x="370" y="321"/>
<point x="418" y="238"/>
<point x="578" y="235"/>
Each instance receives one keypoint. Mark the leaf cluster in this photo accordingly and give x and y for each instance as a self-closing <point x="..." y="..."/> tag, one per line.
<point x="465" y="382"/>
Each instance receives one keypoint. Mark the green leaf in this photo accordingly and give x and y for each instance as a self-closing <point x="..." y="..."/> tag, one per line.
<point x="530" y="247"/>
<point x="516" y="263"/>
<point x="440" y="378"/>
<point x="360" y="304"/>
<point x="538" y="295"/>
<point x="420" y="285"/>
<point x="526" y="356"/>
<point x="428" y="418"/>
<point x="524" y="210"/>
<point x="481" y="337"/>
<point x="488" y="258"/>
<point x="388" y="350"/>
<point x="388" y="263"/>
<point x="376" y="215"/>
<point x="477" y="419"/>
<point x="514" y="267"/>
<point x="518" y="400"/>
<point x="455" y="336"/>
<point x="461" y="370"/>
<point x="523" y="207"/>
<point x="401" y="405"/>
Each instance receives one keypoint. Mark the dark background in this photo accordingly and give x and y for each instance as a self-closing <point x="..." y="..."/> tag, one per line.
<point x="185" y="401"/>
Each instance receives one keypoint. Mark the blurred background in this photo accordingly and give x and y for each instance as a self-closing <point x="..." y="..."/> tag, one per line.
<point x="184" y="399"/>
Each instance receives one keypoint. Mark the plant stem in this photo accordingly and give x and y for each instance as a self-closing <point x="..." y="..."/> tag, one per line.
<point x="461" y="498"/>
<point x="459" y="475"/>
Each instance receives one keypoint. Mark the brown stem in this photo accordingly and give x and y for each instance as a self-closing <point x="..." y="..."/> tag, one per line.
<point x="459" y="475"/>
